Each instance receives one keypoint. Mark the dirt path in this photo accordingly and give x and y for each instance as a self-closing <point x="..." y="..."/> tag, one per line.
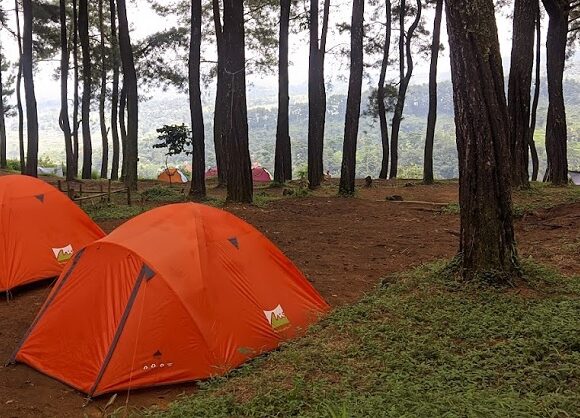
<point x="344" y="246"/>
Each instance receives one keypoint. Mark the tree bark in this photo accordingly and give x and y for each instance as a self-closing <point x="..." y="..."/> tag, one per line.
<point x="130" y="83"/>
<point x="64" y="121"/>
<point x="428" y="177"/>
<point x="115" y="92"/>
<point x="520" y="82"/>
<point x="533" y="151"/>
<point x="76" y="79"/>
<point x="316" y="95"/>
<point x="283" y="157"/>
<point x="556" y="129"/>
<point x="103" y="96"/>
<point x="381" y="94"/>
<point x="487" y="242"/>
<point x="123" y="129"/>
<point x="351" y="123"/>
<point x="220" y="101"/>
<point x="197" y="190"/>
<point x="86" y="98"/>
<point x="240" y="186"/>
<point x="3" y="161"/>
<point x="405" y="78"/>
<point x="31" y="109"/>
<point x="19" y="92"/>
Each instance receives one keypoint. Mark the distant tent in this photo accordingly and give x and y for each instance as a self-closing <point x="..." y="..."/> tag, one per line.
<point x="260" y="175"/>
<point x="575" y="177"/>
<point x="172" y="175"/>
<point x="211" y="172"/>
<point x="51" y="171"/>
<point x="40" y="230"/>
<point x="179" y="293"/>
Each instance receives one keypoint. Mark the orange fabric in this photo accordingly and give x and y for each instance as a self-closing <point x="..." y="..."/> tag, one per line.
<point x="171" y="175"/>
<point x="40" y="229"/>
<point x="182" y="292"/>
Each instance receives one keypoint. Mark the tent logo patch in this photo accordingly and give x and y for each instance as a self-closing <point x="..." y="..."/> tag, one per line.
<point x="277" y="318"/>
<point x="157" y="363"/>
<point x="63" y="254"/>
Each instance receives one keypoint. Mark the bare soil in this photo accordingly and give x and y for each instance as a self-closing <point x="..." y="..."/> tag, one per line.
<point x="344" y="246"/>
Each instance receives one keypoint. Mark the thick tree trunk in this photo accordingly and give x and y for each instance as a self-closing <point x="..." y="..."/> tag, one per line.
<point x="487" y="243"/>
<point x="103" y="95"/>
<point x="220" y="101"/>
<point x="316" y="95"/>
<point x="351" y="123"/>
<point x="428" y="177"/>
<point x="240" y="187"/>
<point x="19" y="91"/>
<point x="405" y="77"/>
<point x="86" y="99"/>
<point x="381" y="94"/>
<point x="123" y="129"/>
<point x="520" y="82"/>
<point x="533" y="151"/>
<point x="3" y="162"/>
<point x="130" y="82"/>
<point x="31" y="109"/>
<point x="64" y="121"/>
<point x="115" y="92"/>
<point x="76" y="79"/>
<point x="197" y="190"/>
<point x="556" y="129"/>
<point x="283" y="157"/>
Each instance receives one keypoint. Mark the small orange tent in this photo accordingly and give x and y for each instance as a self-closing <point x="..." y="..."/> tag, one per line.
<point x="182" y="292"/>
<point x="40" y="229"/>
<point x="172" y="175"/>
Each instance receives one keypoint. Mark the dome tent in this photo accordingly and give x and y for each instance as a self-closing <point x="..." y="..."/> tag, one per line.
<point x="172" y="175"/>
<point x="40" y="229"/>
<point x="182" y="292"/>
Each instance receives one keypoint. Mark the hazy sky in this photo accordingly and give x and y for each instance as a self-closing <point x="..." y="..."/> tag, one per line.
<point x="144" y="21"/>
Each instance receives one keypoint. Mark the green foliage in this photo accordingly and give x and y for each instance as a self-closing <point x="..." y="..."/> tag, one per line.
<point x="108" y="211"/>
<point x="162" y="194"/>
<point x="176" y="138"/>
<point x="46" y="161"/>
<point x="13" y="165"/>
<point x="423" y="345"/>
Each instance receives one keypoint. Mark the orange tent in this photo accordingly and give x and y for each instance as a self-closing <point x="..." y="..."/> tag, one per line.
<point x="40" y="229"/>
<point x="172" y="175"/>
<point x="182" y="292"/>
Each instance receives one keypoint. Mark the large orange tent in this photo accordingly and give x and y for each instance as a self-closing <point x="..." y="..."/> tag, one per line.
<point x="40" y="229"/>
<point x="182" y="292"/>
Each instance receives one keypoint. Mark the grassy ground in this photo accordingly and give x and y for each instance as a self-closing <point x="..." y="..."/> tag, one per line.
<point x="421" y="345"/>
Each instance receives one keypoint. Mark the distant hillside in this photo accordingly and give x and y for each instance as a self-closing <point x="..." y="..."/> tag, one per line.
<point x="173" y="109"/>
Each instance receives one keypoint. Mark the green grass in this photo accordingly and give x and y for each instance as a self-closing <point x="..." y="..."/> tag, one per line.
<point x="163" y="194"/>
<point x="422" y="345"/>
<point x="107" y="211"/>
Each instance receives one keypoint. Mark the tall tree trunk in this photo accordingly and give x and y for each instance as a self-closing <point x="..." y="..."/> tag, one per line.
<point x="197" y="190"/>
<point x="351" y="123"/>
<point x="283" y="157"/>
<point x="31" y="110"/>
<point x="533" y="151"/>
<point x="64" y="121"/>
<point x="86" y="99"/>
<point x="556" y="129"/>
<point x="19" y="91"/>
<point x="76" y="79"/>
<point x="130" y="82"/>
<point x="520" y="82"/>
<point x="381" y="94"/>
<point x="405" y="78"/>
<point x="428" y="177"/>
<point x="487" y="243"/>
<point x="123" y="129"/>
<point x="3" y="162"/>
<point x="220" y="101"/>
<point x="240" y="187"/>
<point x="103" y="95"/>
<point x="115" y="92"/>
<point x="316" y="95"/>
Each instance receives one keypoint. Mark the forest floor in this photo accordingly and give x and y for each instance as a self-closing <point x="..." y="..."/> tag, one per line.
<point x="345" y="246"/>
